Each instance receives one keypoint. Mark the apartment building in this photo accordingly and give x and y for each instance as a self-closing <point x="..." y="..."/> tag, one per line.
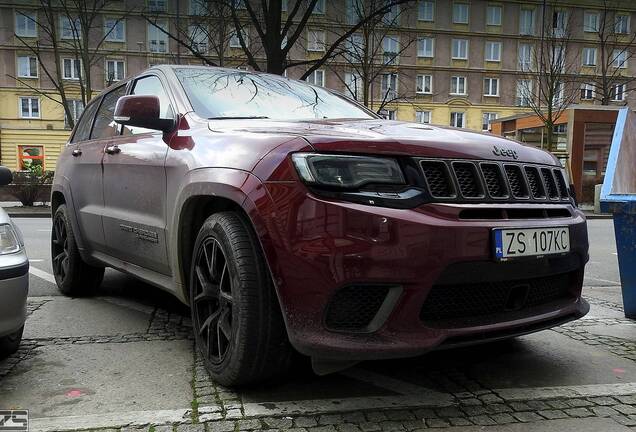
<point x="449" y="62"/>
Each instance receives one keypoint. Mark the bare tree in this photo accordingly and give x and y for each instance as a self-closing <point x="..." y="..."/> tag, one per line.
<point x="550" y="84"/>
<point x="72" y="29"/>
<point x="615" y="44"/>
<point x="368" y="63"/>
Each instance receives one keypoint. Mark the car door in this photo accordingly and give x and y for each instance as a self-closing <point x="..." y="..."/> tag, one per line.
<point x="135" y="188"/>
<point x="84" y="176"/>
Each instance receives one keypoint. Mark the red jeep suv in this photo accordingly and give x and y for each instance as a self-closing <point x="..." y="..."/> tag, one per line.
<point x="290" y="217"/>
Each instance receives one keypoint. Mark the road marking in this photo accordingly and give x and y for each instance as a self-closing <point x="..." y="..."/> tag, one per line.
<point x="42" y="274"/>
<point x="574" y="391"/>
<point x="603" y="280"/>
<point x="385" y="382"/>
<point x="36" y="260"/>
<point x="45" y="230"/>
<point x="109" y="420"/>
<point x="615" y="253"/>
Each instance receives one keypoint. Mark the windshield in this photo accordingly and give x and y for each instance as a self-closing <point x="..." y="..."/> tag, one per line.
<point x="225" y="93"/>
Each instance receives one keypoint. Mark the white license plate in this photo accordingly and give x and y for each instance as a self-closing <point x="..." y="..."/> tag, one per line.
<point x="517" y="243"/>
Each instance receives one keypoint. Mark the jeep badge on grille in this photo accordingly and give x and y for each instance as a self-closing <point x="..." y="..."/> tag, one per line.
<point x="497" y="151"/>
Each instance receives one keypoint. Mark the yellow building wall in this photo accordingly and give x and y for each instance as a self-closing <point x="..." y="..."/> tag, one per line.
<point x="47" y="131"/>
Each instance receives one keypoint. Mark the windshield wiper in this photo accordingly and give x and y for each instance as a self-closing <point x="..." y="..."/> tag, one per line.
<point x="238" y="118"/>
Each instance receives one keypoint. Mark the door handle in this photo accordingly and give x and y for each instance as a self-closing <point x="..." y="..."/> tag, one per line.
<point x="112" y="150"/>
<point x="76" y="153"/>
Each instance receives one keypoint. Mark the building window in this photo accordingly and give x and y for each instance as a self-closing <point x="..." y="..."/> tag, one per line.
<point x="115" y="70"/>
<point x="525" y="57"/>
<point x="392" y="17"/>
<point x="493" y="51"/>
<point x="590" y="162"/>
<point x="198" y="38"/>
<point x="621" y="24"/>
<point x="317" y="78"/>
<point x="72" y="68"/>
<point x="524" y="92"/>
<point x="426" y="10"/>
<point x="458" y="85"/>
<point x="460" y="49"/>
<point x="316" y="40"/>
<point x="491" y="86"/>
<point x="354" y="46"/>
<point x="354" y="12"/>
<point x="29" y="156"/>
<point x="27" y="67"/>
<point x="425" y="47"/>
<point x="457" y="119"/>
<point x="353" y="84"/>
<point x="424" y="84"/>
<point x="618" y="92"/>
<point x="389" y="86"/>
<point x="235" y="41"/>
<point x="114" y="30"/>
<point x="589" y="56"/>
<point x="587" y="91"/>
<point x="619" y="58"/>
<point x="157" y="5"/>
<point x="590" y="21"/>
<point x="29" y="107"/>
<point x="493" y="15"/>
<point x="460" y="13"/>
<point x="76" y="107"/>
<point x="198" y="7"/>
<point x="25" y="24"/>
<point x="70" y="29"/>
<point x="526" y="21"/>
<point x="157" y="37"/>
<point x="388" y="114"/>
<point x="559" y="23"/>
<point x="486" y="118"/>
<point x="391" y="48"/>
<point x="319" y="8"/>
<point x="423" y="117"/>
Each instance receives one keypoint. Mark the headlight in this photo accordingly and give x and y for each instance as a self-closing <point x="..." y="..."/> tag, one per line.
<point x="9" y="241"/>
<point x="347" y="172"/>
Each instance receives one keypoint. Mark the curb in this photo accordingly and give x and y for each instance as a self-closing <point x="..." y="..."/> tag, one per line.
<point x="30" y="215"/>
<point x="593" y="216"/>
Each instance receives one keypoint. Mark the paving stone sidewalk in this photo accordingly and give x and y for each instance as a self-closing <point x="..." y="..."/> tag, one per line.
<point x="115" y="363"/>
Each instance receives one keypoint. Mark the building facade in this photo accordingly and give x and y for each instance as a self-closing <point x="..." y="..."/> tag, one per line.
<point x="446" y="62"/>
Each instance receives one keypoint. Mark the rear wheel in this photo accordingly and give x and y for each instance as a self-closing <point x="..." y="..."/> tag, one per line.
<point x="73" y="276"/>
<point x="10" y="343"/>
<point x="236" y="319"/>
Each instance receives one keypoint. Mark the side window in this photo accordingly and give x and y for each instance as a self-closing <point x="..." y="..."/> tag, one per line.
<point x="151" y="86"/>
<point x="105" y="126"/>
<point x="86" y="120"/>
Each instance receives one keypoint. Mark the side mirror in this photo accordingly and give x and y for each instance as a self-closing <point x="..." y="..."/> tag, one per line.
<point x="6" y="176"/>
<point x="142" y="111"/>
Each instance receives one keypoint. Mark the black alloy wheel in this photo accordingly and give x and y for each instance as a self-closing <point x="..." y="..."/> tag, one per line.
<point x="59" y="249"/>
<point x="213" y="301"/>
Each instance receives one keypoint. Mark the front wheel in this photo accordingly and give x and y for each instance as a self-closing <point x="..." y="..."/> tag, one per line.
<point x="10" y="343"/>
<point x="73" y="276"/>
<point x="236" y="319"/>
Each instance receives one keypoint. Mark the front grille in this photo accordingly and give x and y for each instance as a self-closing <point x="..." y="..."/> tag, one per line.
<point x="353" y="308"/>
<point x="467" y="179"/>
<point x="488" y="181"/>
<point x="495" y="183"/>
<point x="463" y="301"/>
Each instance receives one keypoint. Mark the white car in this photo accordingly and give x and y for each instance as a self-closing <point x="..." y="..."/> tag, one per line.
<point x="14" y="279"/>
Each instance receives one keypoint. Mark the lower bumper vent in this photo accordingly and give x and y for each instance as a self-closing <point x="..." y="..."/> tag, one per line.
<point x="354" y="308"/>
<point x="462" y="301"/>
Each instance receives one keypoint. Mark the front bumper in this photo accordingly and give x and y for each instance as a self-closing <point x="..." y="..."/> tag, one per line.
<point x="14" y="287"/>
<point x="322" y="246"/>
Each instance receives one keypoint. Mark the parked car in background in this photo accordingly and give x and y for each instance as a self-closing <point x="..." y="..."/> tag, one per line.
<point x="290" y="217"/>
<point x="14" y="279"/>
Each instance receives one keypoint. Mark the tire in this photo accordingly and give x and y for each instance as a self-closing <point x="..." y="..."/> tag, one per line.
<point x="73" y="276"/>
<point x="10" y="343"/>
<point x="237" y="322"/>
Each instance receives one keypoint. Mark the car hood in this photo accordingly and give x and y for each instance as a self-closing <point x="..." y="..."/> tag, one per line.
<point x="394" y="138"/>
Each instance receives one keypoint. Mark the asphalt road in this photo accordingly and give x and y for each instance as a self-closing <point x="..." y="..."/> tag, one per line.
<point x="601" y="272"/>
